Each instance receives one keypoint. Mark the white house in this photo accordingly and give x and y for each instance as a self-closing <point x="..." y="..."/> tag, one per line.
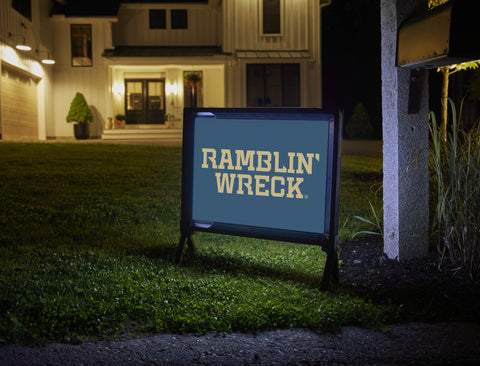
<point x="148" y="60"/>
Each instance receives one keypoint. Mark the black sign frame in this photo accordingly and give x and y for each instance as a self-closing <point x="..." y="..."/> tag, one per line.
<point x="327" y="240"/>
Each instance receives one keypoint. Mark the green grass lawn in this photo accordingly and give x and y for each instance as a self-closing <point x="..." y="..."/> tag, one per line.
<point x="88" y="234"/>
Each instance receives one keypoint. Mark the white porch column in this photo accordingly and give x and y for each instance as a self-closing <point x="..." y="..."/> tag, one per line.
<point x="405" y="182"/>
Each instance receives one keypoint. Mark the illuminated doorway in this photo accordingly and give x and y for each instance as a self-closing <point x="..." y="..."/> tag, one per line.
<point x="145" y="101"/>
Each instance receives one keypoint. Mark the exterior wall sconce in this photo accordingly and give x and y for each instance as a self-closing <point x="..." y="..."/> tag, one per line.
<point x="172" y="89"/>
<point x="22" y="45"/>
<point x="46" y="60"/>
<point x="118" y="89"/>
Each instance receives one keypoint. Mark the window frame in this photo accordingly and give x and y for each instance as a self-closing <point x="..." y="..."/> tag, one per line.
<point x="89" y="46"/>
<point x="155" y="13"/>
<point x="265" y="87"/>
<point x="262" y="5"/>
<point x="178" y="11"/>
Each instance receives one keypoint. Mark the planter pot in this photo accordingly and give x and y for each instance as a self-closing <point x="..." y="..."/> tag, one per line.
<point x="81" y="131"/>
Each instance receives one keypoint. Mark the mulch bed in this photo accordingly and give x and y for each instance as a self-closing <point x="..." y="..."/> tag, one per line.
<point x="424" y="291"/>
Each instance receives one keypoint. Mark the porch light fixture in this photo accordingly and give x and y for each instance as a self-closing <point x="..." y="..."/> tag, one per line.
<point x="118" y="89"/>
<point x="172" y="89"/>
<point x="46" y="60"/>
<point x="22" y="45"/>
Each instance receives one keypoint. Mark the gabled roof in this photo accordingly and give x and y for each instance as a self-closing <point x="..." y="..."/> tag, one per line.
<point x="95" y="8"/>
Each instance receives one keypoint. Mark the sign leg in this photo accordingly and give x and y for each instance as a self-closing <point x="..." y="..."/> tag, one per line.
<point x="331" y="271"/>
<point x="186" y="242"/>
<point x="181" y="250"/>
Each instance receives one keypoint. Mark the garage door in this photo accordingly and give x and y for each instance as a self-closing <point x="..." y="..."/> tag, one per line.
<point x="19" y="105"/>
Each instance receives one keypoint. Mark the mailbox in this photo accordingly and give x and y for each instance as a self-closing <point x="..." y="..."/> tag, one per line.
<point x="446" y="35"/>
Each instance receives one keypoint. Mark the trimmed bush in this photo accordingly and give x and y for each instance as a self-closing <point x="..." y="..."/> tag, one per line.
<point x="359" y="125"/>
<point x="79" y="110"/>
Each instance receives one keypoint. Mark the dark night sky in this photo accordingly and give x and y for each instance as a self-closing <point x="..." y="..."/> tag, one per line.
<point x="351" y="57"/>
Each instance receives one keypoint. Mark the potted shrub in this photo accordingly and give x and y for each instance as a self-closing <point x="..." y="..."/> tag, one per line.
<point x="120" y="121"/>
<point x="81" y="115"/>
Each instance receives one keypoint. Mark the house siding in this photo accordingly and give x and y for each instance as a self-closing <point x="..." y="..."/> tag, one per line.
<point x="133" y="28"/>
<point x="91" y="81"/>
<point x="243" y="26"/>
<point x="37" y="33"/>
<point x="300" y="23"/>
<point x="232" y="26"/>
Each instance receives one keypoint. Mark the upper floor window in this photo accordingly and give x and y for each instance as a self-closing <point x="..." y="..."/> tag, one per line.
<point x="179" y="19"/>
<point x="158" y="19"/>
<point x="24" y="7"/>
<point x="81" y="41"/>
<point x="271" y="17"/>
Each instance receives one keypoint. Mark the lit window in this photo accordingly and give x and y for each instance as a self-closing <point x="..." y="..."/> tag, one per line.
<point x="81" y="45"/>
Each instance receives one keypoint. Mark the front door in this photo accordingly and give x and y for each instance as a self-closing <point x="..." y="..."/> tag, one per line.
<point x="145" y="101"/>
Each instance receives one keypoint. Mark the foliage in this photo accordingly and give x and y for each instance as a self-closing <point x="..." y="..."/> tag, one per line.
<point x="375" y="219"/>
<point x="456" y="181"/>
<point x="80" y="264"/>
<point x="434" y="3"/>
<point x="120" y="117"/>
<point x="79" y="110"/>
<point x="446" y="72"/>
<point x="360" y="195"/>
<point x="193" y="79"/>
<point x="359" y="125"/>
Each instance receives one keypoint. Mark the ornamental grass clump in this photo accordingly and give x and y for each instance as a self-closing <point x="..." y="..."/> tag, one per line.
<point x="455" y="181"/>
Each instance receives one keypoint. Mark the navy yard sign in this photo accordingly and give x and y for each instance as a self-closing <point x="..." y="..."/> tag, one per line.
<point x="264" y="173"/>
